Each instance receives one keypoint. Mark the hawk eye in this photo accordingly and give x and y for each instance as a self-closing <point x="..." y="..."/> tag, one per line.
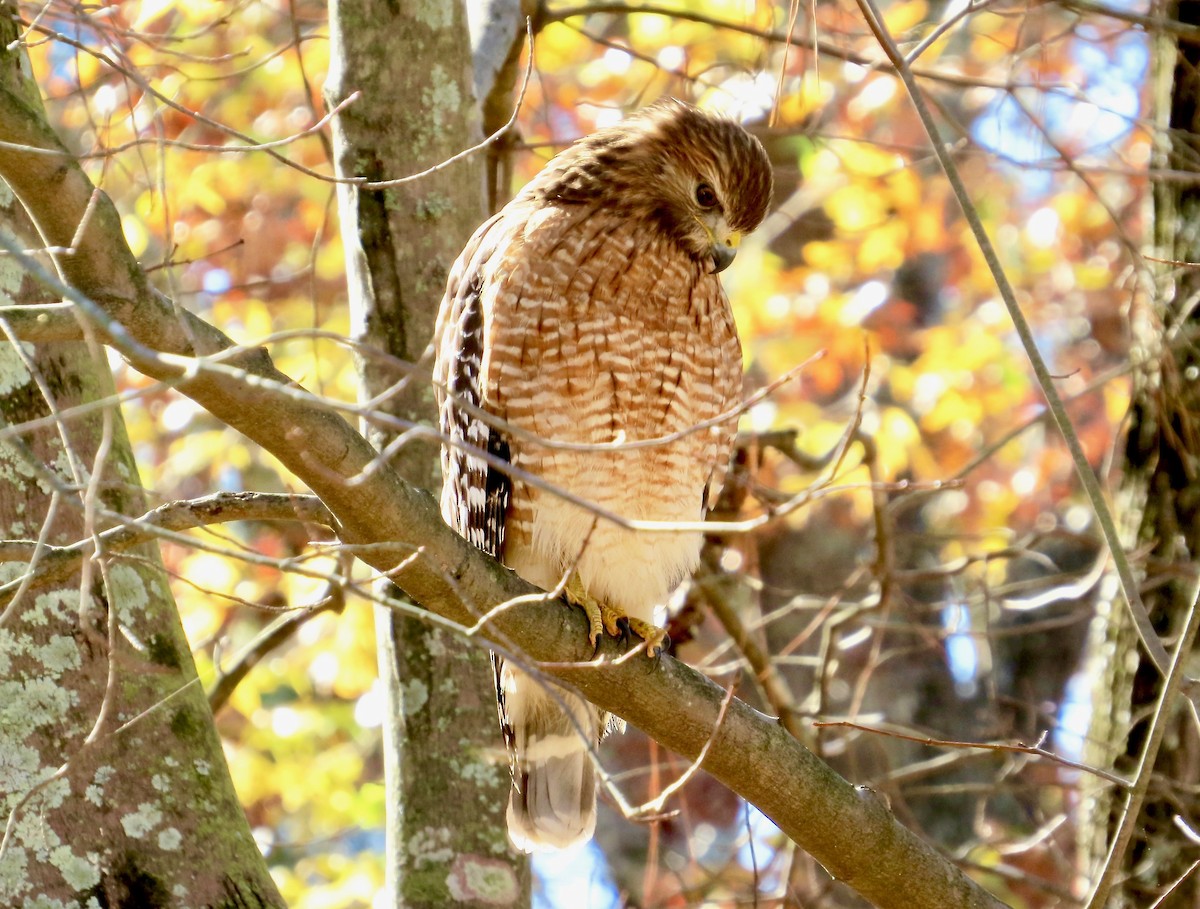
<point x="706" y="196"/>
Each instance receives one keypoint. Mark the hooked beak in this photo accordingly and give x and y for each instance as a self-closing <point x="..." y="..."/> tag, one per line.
<point x="723" y="252"/>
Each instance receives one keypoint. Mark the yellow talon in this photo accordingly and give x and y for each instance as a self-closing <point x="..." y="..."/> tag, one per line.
<point x="603" y="617"/>
<point x="576" y="595"/>
<point x="655" y="637"/>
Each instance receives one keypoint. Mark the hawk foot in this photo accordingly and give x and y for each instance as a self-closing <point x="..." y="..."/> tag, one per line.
<point x="605" y="618"/>
<point x="656" y="638"/>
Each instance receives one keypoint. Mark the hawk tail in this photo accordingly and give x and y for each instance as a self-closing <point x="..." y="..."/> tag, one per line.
<point x="551" y="733"/>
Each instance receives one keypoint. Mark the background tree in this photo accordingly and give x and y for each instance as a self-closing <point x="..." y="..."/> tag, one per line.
<point x="915" y="559"/>
<point x="1144" y="732"/>
<point x="412" y="68"/>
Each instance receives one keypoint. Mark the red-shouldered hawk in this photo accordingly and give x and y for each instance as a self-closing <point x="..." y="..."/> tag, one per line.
<point x="588" y="312"/>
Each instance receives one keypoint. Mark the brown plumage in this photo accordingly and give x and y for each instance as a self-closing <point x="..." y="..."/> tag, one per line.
<point x="589" y="312"/>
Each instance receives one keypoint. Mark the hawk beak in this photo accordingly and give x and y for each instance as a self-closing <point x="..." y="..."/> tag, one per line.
<point x="723" y="253"/>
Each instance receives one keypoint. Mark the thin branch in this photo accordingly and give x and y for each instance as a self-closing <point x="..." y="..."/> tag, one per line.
<point x="827" y="48"/>
<point x="1042" y="416"/>
<point x="655" y="806"/>
<point x="57" y="562"/>
<point x="1149" y="24"/>
<point x="945" y="25"/>
<point x="1014" y="747"/>
<point x="767" y="678"/>
<point x="297" y="42"/>
<point x="271" y="637"/>
<point x="1174" y="886"/>
<point x="136" y="78"/>
<point x="489" y="141"/>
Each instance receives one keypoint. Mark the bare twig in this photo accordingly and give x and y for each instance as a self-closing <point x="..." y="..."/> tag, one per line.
<point x="770" y="683"/>
<point x="827" y="48"/>
<point x="1151" y="24"/>
<point x="271" y="637"/>
<point x="971" y="7"/>
<point x="1015" y="747"/>
<point x="489" y="141"/>
<point x="655" y="807"/>
<point x="1191" y="869"/>
<point x="56" y="562"/>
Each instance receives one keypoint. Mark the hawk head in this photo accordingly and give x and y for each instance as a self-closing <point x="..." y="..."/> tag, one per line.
<point x="697" y="177"/>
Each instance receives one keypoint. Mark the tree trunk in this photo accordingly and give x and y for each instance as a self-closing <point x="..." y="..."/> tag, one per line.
<point x="1161" y="493"/>
<point x="446" y="842"/>
<point x="111" y="771"/>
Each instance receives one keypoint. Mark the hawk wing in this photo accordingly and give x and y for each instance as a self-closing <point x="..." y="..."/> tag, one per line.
<point x="476" y="492"/>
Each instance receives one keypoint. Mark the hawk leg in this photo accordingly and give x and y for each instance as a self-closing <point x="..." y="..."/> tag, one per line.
<point x="604" y="617"/>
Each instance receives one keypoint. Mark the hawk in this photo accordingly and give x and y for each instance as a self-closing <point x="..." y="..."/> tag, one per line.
<point x="586" y="340"/>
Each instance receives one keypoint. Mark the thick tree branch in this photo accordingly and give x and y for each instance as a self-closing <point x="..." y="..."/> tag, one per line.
<point x="43" y="323"/>
<point x="846" y="828"/>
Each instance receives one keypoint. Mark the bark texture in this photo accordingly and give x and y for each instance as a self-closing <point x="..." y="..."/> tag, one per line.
<point x="1161" y="494"/>
<point x="446" y="833"/>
